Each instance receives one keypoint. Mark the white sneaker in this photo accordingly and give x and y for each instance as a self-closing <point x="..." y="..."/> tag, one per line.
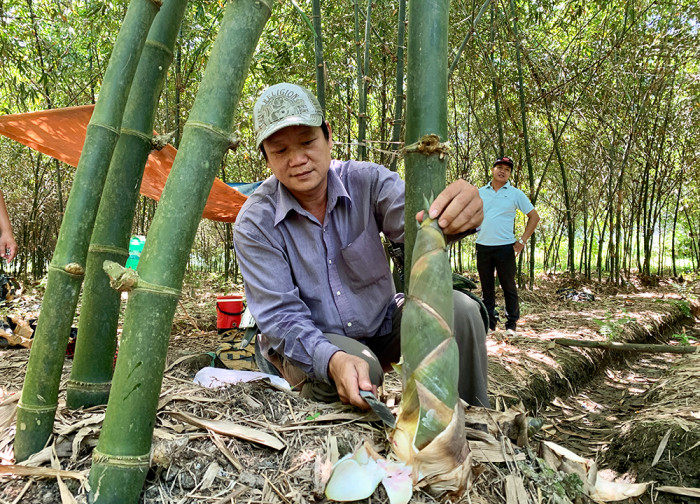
<point x="511" y="332"/>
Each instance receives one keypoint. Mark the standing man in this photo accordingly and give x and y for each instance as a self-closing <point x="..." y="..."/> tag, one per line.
<point x="8" y="245"/>
<point x="496" y="246"/>
<point x="317" y="279"/>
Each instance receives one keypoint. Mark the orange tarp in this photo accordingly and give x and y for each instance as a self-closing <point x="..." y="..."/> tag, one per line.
<point x="60" y="133"/>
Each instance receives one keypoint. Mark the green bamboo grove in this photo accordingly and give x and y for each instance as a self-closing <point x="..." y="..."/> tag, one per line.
<point x="91" y="374"/>
<point x="121" y="458"/>
<point x="37" y="406"/>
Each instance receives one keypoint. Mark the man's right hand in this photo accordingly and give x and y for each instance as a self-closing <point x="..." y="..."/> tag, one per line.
<point x="350" y="374"/>
<point x="8" y="247"/>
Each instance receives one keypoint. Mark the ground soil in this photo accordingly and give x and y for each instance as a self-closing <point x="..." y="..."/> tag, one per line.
<point x="637" y="415"/>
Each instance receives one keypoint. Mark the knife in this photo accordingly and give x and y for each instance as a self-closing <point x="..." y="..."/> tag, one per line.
<point x="381" y="409"/>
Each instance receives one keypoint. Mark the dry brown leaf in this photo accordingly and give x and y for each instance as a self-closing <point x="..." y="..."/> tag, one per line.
<point x="78" y="439"/>
<point x="7" y="414"/>
<point x="66" y="496"/>
<point x="22" y="328"/>
<point x="323" y="467"/>
<point x="688" y="492"/>
<point x="224" y="449"/>
<point x="16" y="340"/>
<point x="209" y="475"/>
<point x="515" y="490"/>
<point x="41" y="472"/>
<point x="68" y="428"/>
<point x="493" y="453"/>
<point x="38" y="458"/>
<point x="231" y="429"/>
<point x="661" y="448"/>
<point x="168" y="398"/>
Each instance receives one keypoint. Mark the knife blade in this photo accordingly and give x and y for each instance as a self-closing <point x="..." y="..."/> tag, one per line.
<point x="381" y="409"/>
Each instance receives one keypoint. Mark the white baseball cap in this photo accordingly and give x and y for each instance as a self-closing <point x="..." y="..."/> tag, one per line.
<point x="284" y="105"/>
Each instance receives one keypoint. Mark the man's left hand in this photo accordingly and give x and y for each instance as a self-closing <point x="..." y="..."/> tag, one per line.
<point x="458" y="206"/>
<point x="518" y="247"/>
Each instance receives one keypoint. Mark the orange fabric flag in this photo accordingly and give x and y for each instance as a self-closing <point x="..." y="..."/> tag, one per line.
<point x="60" y="133"/>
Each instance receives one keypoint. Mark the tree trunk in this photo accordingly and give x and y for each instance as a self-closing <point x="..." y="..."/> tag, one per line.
<point x="121" y="459"/>
<point x="494" y="88"/>
<point x="37" y="407"/>
<point x="526" y="137"/>
<point x="673" y="235"/>
<point x="571" y="236"/>
<point x="398" y="107"/>
<point x="469" y="36"/>
<point x="318" y="52"/>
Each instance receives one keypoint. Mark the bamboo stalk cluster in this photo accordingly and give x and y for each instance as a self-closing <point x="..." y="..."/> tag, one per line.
<point x="121" y="459"/>
<point x="37" y="406"/>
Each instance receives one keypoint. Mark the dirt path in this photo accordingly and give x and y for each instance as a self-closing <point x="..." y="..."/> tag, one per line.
<point x="611" y="407"/>
<point x="640" y="418"/>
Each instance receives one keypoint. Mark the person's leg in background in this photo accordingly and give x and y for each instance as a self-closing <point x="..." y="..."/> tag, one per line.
<point x="486" y="268"/>
<point x="507" y="270"/>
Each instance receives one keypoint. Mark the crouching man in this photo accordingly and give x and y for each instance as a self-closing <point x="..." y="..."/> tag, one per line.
<point x="316" y="276"/>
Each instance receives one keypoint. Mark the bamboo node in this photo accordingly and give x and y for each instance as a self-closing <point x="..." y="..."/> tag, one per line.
<point x="120" y="278"/>
<point x="429" y="144"/>
<point x="136" y="133"/>
<point x="138" y="461"/>
<point x="74" y="269"/>
<point x="159" y="142"/>
<point x="88" y="386"/>
<point x="108" y="249"/>
<point x="37" y="409"/>
<point x="233" y="143"/>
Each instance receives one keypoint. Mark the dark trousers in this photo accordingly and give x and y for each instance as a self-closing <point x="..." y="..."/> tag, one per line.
<point x="501" y="260"/>
<point x="381" y="352"/>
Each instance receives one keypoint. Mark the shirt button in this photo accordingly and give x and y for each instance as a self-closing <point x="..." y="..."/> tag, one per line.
<point x="330" y="262"/>
<point x="349" y="324"/>
<point x="338" y="293"/>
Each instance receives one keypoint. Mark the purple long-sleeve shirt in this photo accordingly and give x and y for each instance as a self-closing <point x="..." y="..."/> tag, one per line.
<point x="303" y="278"/>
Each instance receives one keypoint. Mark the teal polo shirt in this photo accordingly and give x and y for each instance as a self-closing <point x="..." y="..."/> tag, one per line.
<point x="499" y="214"/>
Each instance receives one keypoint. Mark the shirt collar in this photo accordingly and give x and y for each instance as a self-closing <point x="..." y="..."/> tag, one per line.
<point x="287" y="202"/>
<point x="505" y="186"/>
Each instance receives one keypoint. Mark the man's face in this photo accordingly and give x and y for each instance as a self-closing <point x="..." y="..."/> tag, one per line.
<point x="300" y="157"/>
<point x="501" y="172"/>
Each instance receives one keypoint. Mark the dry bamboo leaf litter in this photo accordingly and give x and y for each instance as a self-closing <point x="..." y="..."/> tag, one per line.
<point x="166" y="485"/>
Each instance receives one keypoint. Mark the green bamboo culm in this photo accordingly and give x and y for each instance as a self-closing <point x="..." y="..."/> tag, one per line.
<point x="429" y="434"/>
<point x="37" y="406"/>
<point x="91" y="374"/>
<point x="121" y="458"/>
<point x="398" y="106"/>
<point x="425" y="156"/>
<point x="318" y="52"/>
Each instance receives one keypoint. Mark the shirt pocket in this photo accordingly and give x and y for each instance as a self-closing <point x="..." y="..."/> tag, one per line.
<point x="365" y="260"/>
